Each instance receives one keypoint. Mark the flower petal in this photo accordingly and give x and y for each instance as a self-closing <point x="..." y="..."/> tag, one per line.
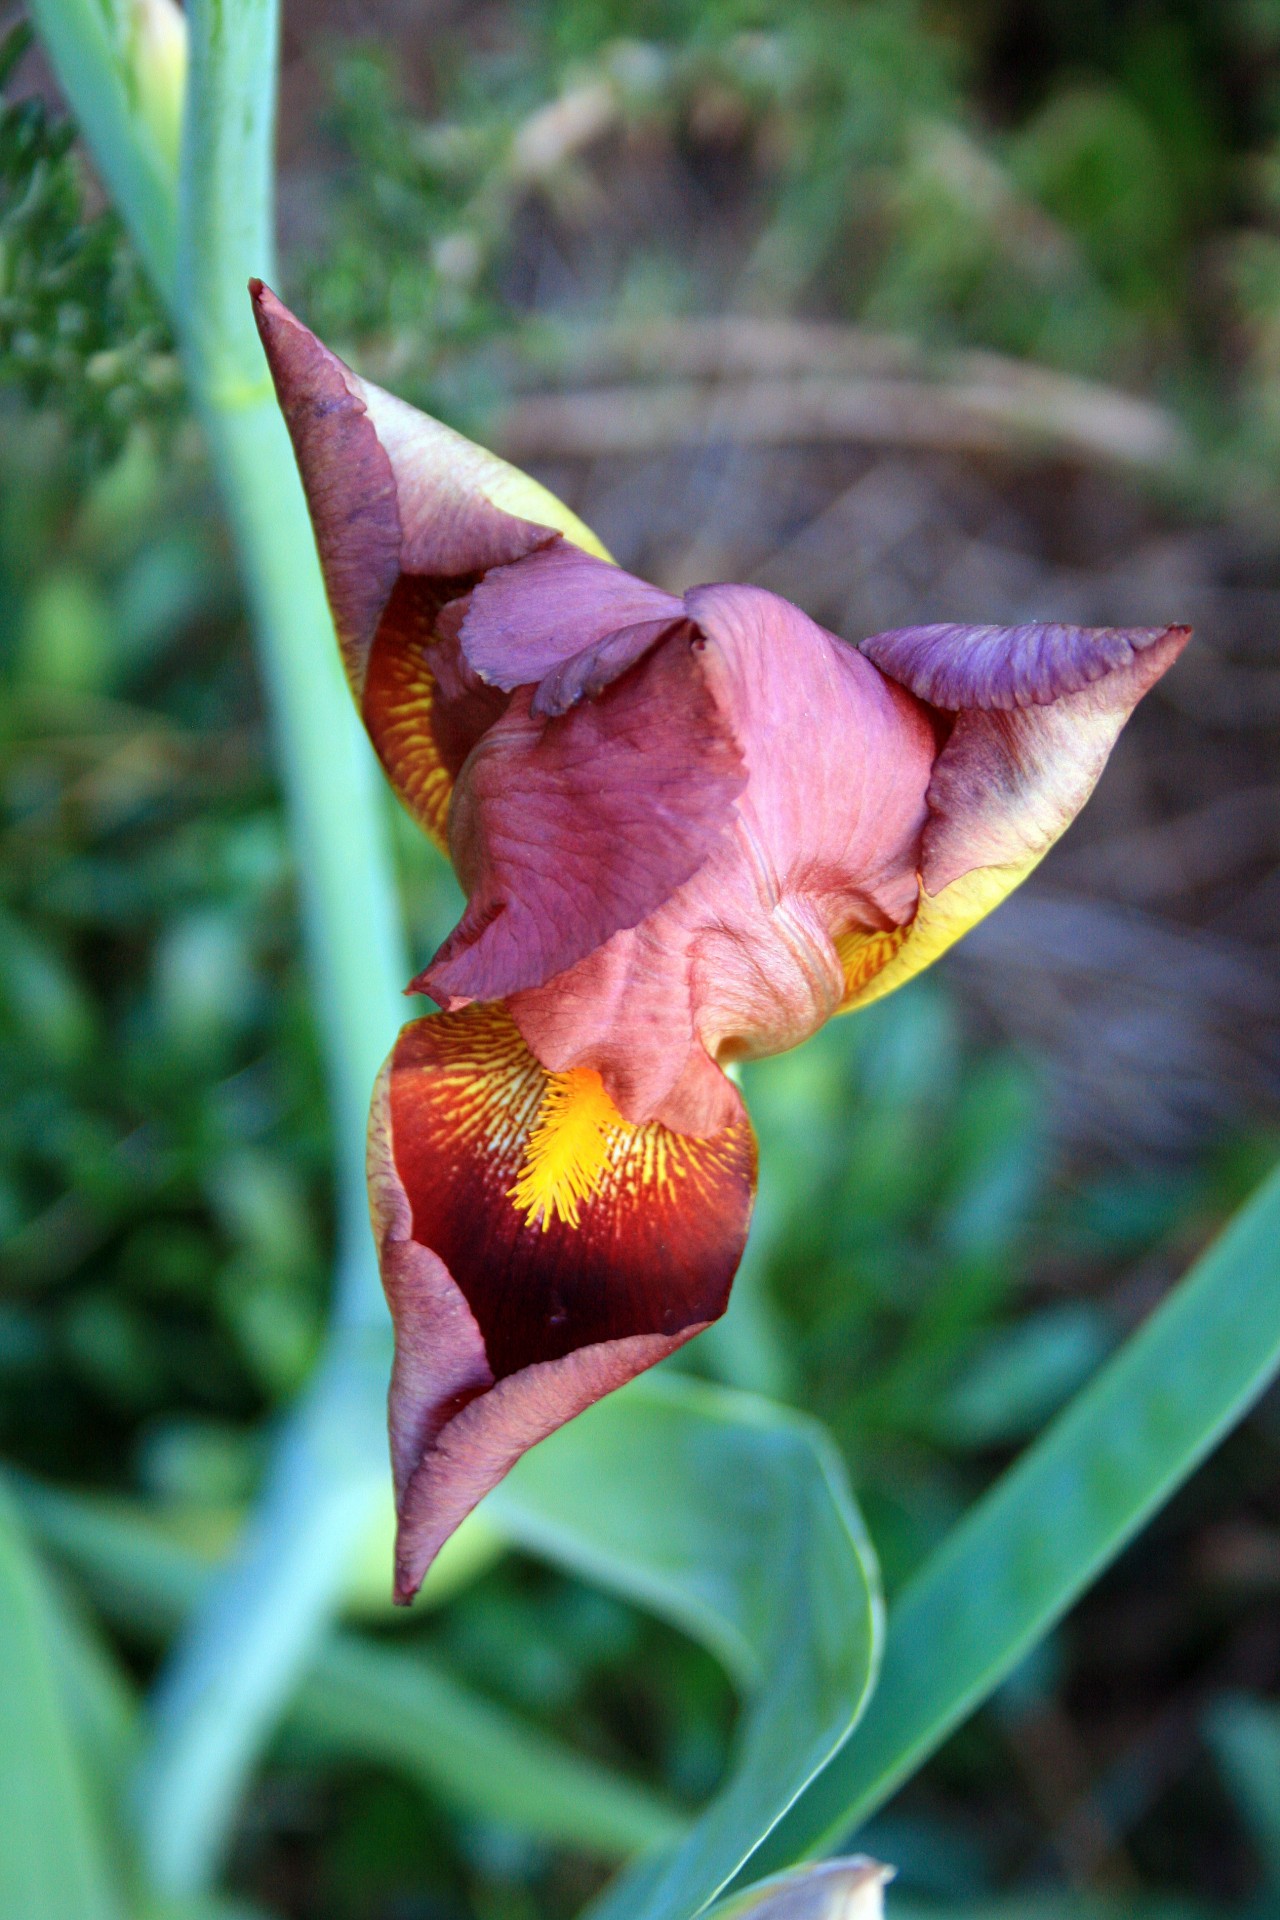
<point x="565" y="830"/>
<point x="838" y="757"/>
<point x="842" y="1889"/>
<point x="1024" y="754"/>
<point x="525" y="620"/>
<point x="825" y="842"/>
<point x="1000" y="668"/>
<point x="423" y="707"/>
<point x="407" y="516"/>
<point x="509" y="1317"/>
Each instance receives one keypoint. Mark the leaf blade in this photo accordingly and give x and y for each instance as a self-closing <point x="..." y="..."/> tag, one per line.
<point x="52" y="1863"/>
<point x="367" y="1700"/>
<point x="1058" y="1517"/>
<point x="733" y="1519"/>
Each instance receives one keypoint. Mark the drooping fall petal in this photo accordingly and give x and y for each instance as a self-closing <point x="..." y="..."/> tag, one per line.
<point x="537" y="1252"/>
<point x="408" y="516"/>
<point x="1037" y="710"/>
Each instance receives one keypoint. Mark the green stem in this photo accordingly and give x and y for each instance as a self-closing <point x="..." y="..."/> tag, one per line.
<point x="78" y="41"/>
<point x="241" y="1655"/>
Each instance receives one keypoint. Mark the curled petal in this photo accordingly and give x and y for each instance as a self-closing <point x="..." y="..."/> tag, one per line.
<point x="526" y="620"/>
<point x="407" y="515"/>
<point x="1018" y="765"/>
<point x="346" y="475"/>
<point x="1000" y="668"/>
<point x="537" y="1251"/>
<point x="588" y="673"/>
<point x="838" y="757"/>
<point x="565" y="830"/>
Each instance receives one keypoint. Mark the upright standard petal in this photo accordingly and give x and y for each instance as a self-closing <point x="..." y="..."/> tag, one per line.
<point x="556" y="610"/>
<point x="408" y="516"/>
<point x="566" y="829"/>
<point x="1034" y="712"/>
<point x="537" y="1252"/>
<point x="824" y="839"/>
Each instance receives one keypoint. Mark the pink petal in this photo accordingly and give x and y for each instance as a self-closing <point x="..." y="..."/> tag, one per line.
<point x="349" y="482"/>
<point x="742" y="960"/>
<point x="1003" y="668"/>
<point x="390" y="490"/>
<point x="525" y="620"/>
<point x="408" y="516"/>
<point x="1013" y="775"/>
<point x="565" y="830"/>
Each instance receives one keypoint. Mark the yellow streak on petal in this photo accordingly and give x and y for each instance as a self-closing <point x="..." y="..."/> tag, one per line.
<point x="864" y="955"/>
<point x="874" y="964"/>
<point x="568" y="1151"/>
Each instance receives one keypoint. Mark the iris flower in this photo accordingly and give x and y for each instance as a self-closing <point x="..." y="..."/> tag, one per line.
<point x="690" y="829"/>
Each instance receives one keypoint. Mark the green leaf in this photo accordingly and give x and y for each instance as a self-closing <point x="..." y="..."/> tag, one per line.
<point x="403" y="1711"/>
<point x="367" y="1701"/>
<point x="100" y="1705"/>
<point x="1244" y="1736"/>
<point x="1021" y="1375"/>
<point x="718" y="1511"/>
<point x="1032" y="1545"/>
<point x="732" y="1518"/>
<point x="52" y="1864"/>
<point x="207" y="1906"/>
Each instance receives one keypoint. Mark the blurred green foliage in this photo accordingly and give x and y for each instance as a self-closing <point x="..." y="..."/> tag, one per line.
<point x="79" y="328"/>
<point x="1095" y="196"/>
<point x="1095" y="187"/>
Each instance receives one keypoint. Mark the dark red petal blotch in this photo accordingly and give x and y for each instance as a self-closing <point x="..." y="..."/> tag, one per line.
<point x="507" y="1325"/>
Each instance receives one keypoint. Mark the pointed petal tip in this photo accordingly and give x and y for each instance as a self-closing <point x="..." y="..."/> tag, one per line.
<point x="268" y="309"/>
<point x="289" y="344"/>
<point x="1003" y="669"/>
<point x="848" y="1888"/>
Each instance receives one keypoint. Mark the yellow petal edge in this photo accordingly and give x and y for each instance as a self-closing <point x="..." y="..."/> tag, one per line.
<point x="877" y="963"/>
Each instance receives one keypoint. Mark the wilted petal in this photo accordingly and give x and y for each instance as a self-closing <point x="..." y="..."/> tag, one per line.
<point x="408" y="515"/>
<point x="537" y="1252"/>
<point x="1037" y="712"/>
<point x="565" y="830"/>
